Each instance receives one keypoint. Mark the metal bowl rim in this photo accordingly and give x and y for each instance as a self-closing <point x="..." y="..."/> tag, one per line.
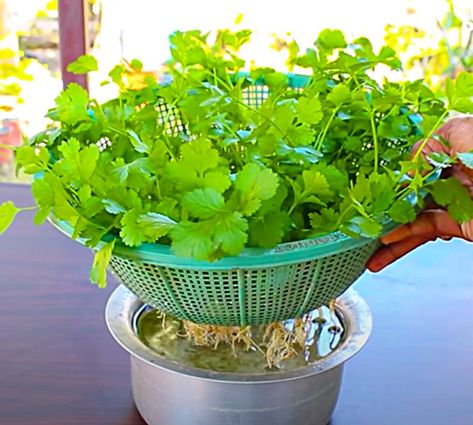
<point x="123" y="304"/>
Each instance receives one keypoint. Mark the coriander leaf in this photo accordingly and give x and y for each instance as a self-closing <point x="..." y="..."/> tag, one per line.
<point x="116" y="74"/>
<point x="267" y="231"/>
<point x="381" y="191"/>
<point x="203" y="203"/>
<point x="324" y="222"/>
<point x="218" y="180"/>
<point x="76" y="164"/>
<point x="276" y="81"/>
<point x="90" y="232"/>
<point x="140" y="166"/>
<point x="200" y="155"/>
<point x="44" y="198"/>
<point x="41" y="215"/>
<point x="402" y="211"/>
<point x="98" y="273"/>
<point x="158" y="156"/>
<point x="121" y="199"/>
<point x="72" y="104"/>
<point x="301" y="135"/>
<point x="331" y="39"/>
<point x="121" y="169"/>
<point x="464" y="85"/>
<point x="309" y="110"/>
<point x="428" y="124"/>
<point x="193" y="239"/>
<point x="254" y="184"/>
<point x="92" y="206"/>
<point x="314" y="187"/>
<point x="42" y="193"/>
<point x="190" y="170"/>
<point x="169" y="207"/>
<point x="315" y="183"/>
<point x="70" y="151"/>
<point x="463" y="105"/>
<point x="466" y="158"/>
<point x="361" y="190"/>
<point x="155" y="225"/>
<point x="84" y="193"/>
<point x="230" y="233"/>
<point x="62" y="207"/>
<point x="336" y="179"/>
<point x="79" y="226"/>
<point x="113" y="207"/>
<point x="83" y="64"/>
<point x="450" y="193"/>
<point x="136" y="65"/>
<point x="132" y="233"/>
<point x="8" y="212"/>
<point x="339" y="95"/>
<point x="440" y="159"/>
<point x="88" y="158"/>
<point x="283" y="116"/>
<point x="32" y="159"/>
<point x="139" y="145"/>
<point x="363" y="226"/>
<point x="210" y="239"/>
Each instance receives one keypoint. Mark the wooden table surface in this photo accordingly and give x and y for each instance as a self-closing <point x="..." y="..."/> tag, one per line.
<point x="59" y="365"/>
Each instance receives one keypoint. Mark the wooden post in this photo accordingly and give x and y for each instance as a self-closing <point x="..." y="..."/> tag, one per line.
<point x="73" y="37"/>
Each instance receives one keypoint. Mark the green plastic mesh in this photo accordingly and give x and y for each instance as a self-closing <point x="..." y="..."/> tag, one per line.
<point x="259" y="294"/>
<point x="244" y="296"/>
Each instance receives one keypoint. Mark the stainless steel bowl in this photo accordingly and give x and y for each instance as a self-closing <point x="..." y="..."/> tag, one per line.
<point x="170" y="393"/>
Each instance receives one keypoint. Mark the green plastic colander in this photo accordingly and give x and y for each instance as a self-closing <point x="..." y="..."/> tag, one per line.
<point x="259" y="286"/>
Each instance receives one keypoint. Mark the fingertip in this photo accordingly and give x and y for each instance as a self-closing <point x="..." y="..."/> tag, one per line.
<point x="374" y="264"/>
<point x="373" y="268"/>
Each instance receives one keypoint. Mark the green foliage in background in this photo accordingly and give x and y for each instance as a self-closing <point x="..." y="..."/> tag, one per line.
<point x="452" y="54"/>
<point x="12" y="74"/>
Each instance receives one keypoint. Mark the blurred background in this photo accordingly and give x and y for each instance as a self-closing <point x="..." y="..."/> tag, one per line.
<point x="434" y="38"/>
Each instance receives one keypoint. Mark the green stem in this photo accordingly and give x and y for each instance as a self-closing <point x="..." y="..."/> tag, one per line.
<point x="406" y="190"/>
<point x="358" y="206"/>
<point x="343" y="214"/>
<point x="375" y="141"/>
<point x="293" y="207"/>
<point x="99" y="109"/>
<point x="239" y="102"/>
<point x="434" y="129"/>
<point x="260" y="114"/>
<point x="322" y="135"/>
<point x="158" y="188"/>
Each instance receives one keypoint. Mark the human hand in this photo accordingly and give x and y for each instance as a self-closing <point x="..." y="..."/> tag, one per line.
<point x="431" y="224"/>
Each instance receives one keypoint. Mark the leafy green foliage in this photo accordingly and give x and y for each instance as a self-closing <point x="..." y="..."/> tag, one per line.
<point x="8" y="211"/>
<point x="450" y="193"/>
<point x="195" y="165"/>
<point x="72" y="105"/>
<point x="98" y="273"/>
<point x="83" y="65"/>
<point x="254" y="184"/>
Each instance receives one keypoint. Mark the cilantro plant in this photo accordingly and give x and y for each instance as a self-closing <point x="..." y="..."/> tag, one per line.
<point x="207" y="164"/>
